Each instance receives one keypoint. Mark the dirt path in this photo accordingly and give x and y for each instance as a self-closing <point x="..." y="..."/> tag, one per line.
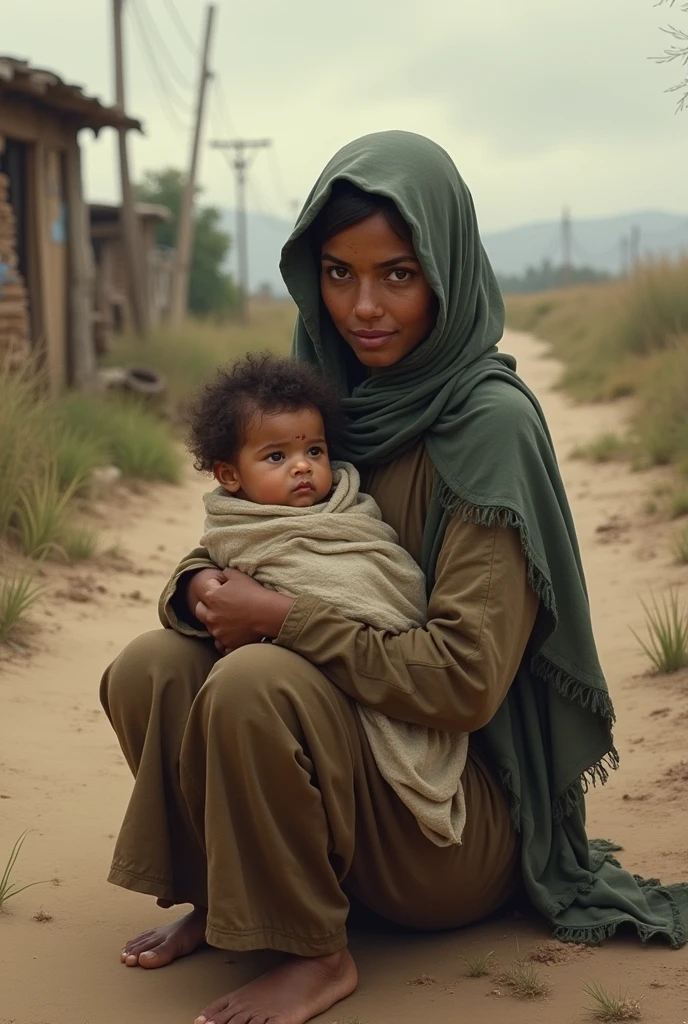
<point x="61" y="775"/>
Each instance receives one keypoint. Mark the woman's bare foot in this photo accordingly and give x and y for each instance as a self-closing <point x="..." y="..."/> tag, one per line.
<point x="292" y="993"/>
<point x="160" y="946"/>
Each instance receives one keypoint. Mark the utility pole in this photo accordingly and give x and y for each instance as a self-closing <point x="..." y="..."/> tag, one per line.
<point x="180" y="291"/>
<point x="241" y="148"/>
<point x="128" y="219"/>
<point x="624" y="248"/>
<point x="566" y="246"/>
<point x="635" y="248"/>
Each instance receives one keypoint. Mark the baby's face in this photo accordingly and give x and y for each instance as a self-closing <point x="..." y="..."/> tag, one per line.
<point x="283" y="461"/>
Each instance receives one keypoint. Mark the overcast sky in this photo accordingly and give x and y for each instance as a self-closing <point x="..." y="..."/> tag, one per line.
<point x="541" y="104"/>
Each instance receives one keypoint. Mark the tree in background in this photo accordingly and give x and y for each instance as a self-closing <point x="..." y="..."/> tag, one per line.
<point x="677" y="52"/>
<point x="211" y="288"/>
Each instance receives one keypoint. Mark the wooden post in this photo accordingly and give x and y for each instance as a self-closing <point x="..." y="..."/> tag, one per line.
<point x="38" y="220"/>
<point x="82" y="361"/>
<point x="130" y="232"/>
<point x="180" y="291"/>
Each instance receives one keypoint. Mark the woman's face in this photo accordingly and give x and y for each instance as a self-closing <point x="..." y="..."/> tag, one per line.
<point x="374" y="290"/>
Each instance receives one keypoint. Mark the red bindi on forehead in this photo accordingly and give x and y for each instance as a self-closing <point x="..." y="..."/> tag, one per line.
<point x="300" y="437"/>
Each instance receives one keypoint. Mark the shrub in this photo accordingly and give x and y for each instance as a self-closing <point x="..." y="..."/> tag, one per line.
<point x="128" y="434"/>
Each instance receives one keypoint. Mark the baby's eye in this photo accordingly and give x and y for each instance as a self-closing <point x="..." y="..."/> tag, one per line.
<point x="275" y="457"/>
<point x="338" y="273"/>
<point x="315" y="451"/>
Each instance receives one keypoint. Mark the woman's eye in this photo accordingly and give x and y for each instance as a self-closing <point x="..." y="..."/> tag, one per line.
<point x="338" y="273"/>
<point x="275" y="457"/>
<point x="401" y="275"/>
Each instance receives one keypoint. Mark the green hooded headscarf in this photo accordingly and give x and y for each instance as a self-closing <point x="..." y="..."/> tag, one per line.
<point x="486" y="435"/>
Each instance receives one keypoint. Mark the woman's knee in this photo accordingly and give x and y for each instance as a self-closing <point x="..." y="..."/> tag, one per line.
<point x="259" y="678"/>
<point x="159" y="660"/>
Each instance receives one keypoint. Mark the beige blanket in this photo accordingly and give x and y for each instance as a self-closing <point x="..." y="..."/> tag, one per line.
<point x="342" y="552"/>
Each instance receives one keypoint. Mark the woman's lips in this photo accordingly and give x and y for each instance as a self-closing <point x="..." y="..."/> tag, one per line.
<point x="372" y="339"/>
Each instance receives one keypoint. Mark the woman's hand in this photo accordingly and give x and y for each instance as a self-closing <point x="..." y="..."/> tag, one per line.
<point x="235" y="609"/>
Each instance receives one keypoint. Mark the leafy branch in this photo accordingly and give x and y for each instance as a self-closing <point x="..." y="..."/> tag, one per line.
<point x="678" y="51"/>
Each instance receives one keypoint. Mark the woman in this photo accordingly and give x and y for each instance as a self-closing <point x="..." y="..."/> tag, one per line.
<point x="256" y="797"/>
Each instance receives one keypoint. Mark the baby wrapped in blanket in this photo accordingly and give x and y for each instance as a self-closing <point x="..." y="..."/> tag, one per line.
<point x="295" y="522"/>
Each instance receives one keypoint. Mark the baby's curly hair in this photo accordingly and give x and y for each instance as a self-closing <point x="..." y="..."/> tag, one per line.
<point x="224" y="405"/>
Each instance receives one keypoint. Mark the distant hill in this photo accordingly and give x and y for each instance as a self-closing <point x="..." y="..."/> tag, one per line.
<point x="596" y="243"/>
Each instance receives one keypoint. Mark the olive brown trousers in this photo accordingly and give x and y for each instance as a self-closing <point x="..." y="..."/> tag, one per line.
<point x="256" y="796"/>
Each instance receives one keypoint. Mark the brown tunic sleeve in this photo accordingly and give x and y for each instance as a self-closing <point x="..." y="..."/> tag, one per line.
<point x="172" y="608"/>
<point x="452" y="674"/>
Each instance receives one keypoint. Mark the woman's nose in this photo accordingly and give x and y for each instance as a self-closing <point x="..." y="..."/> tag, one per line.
<point x="367" y="305"/>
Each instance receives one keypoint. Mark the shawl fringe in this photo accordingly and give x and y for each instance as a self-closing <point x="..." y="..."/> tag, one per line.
<point x="597" y="701"/>
<point x="499" y="515"/>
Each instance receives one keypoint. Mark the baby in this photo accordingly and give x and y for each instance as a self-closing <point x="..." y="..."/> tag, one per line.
<point x="298" y="523"/>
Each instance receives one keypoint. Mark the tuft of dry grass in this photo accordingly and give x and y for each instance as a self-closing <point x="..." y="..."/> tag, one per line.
<point x="18" y="594"/>
<point x="679" y="504"/>
<point x="78" y="542"/>
<point x="8" y="888"/>
<point x="606" y="448"/>
<point x="42" y="917"/>
<point x="609" y="1008"/>
<point x="40" y="514"/>
<point x="479" y="965"/>
<point x="666" y="621"/>
<point x="624" y="338"/>
<point x="680" y="547"/>
<point x="525" y="981"/>
<point x="188" y="355"/>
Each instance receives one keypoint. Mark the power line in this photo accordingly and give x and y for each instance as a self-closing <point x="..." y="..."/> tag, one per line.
<point x="277" y="179"/>
<point x="170" y="111"/>
<point x="221" y="98"/>
<point x="181" y="27"/>
<point x="168" y="61"/>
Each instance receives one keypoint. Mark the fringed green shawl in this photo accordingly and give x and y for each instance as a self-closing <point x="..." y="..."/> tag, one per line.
<point x="487" y="437"/>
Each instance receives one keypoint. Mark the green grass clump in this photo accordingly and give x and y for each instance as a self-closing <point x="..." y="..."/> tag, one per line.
<point x="8" y="888"/>
<point x="129" y="435"/>
<point x="624" y="338"/>
<point x="22" y="436"/>
<point x="609" y="1008"/>
<point x="40" y="514"/>
<point x="78" y="543"/>
<point x="188" y="355"/>
<point x="479" y="965"/>
<point x="605" y="448"/>
<point x="525" y="981"/>
<point x="76" y="457"/>
<point x="18" y="593"/>
<point x="679" y="504"/>
<point x="680" y="547"/>
<point x="666" y="621"/>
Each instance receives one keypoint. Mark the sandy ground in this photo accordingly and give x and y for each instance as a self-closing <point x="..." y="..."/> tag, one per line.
<point x="62" y="776"/>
